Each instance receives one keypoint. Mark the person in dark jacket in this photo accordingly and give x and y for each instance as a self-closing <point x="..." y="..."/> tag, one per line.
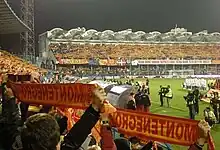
<point x="214" y="103"/>
<point x="190" y="103"/>
<point x="145" y="101"/>
<point x="160" y="93"/>
<point x="122" y="144"/>
<point x="131" y="102"/>
<point x="137" y="98"/>
<point x="41" y="131"/>
<point x="196" y="96"/>
<point x="62" y="122"/>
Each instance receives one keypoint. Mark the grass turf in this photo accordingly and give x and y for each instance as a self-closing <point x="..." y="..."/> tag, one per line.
<point x="178" y="105"/>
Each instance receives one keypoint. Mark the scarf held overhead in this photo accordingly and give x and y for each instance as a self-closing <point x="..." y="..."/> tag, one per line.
<point x="160" y="128"/>
<point x="145" y="126"/>
<point x="75" y="95"/>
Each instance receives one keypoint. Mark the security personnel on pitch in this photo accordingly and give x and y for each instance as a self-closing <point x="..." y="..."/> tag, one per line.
<point x="169" y="95"/>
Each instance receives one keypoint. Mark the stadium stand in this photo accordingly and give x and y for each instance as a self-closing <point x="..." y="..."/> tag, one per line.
<point x="9" y="21"/>
<point x="178" y="43"/>
<point x="14" y="65"/>
<point x="147" y="51"/>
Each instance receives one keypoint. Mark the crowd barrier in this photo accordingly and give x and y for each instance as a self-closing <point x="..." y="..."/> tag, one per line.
<point x="151" y="76"/>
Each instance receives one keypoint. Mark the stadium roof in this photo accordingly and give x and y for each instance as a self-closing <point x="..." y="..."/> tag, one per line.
<point x="9" y="21"/>
<point x="177" y="35"/>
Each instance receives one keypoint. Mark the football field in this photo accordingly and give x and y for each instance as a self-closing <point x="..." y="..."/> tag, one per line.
<point x="178" y="105"/>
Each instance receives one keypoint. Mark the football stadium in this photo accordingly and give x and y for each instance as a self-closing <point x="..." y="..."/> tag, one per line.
<point x="87" y="89"/>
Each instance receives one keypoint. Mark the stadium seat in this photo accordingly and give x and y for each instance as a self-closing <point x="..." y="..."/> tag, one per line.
<point x="14" y="65"/>
<point x="149" y="51"/>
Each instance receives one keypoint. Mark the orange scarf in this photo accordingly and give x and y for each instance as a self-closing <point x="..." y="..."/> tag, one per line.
<point x="143" y="125"/>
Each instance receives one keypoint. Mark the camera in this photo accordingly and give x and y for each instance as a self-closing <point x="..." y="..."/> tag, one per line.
<point x="164" y="90"/>
<point x="189" y="98"/>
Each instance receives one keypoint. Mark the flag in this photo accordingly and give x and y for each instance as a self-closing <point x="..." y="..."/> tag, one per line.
<point x="122" y="62"/>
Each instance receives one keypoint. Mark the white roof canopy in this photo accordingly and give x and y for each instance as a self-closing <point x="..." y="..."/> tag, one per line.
<point x="177" y="35"/>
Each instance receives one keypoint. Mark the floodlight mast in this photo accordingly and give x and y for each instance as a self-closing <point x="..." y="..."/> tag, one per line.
<point x="27" y="39"/>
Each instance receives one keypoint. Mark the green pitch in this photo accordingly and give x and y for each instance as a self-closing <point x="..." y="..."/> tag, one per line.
<point x="178" y="105"/>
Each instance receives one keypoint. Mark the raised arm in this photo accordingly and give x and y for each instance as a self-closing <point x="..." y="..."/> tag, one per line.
<point x="80" y="131"/>
<point x="203" y="136"/>
<point x="10" y="119"/>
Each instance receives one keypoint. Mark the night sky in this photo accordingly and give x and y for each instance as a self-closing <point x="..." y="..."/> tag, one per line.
<point x="146" y="15"/>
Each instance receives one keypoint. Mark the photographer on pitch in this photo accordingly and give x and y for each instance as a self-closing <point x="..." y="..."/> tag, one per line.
<point x="190" y="103"/>
<point x="196" y="94"/>
<point x="215" y="103"/>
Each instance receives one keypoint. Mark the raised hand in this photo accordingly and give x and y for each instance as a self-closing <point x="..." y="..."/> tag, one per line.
<point x="98" y="98"/>
<point x="204" y="129"/>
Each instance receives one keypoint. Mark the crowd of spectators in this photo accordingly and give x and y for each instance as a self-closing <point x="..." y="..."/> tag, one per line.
<point x="44" y="130"/>
<point x="14" y="65"/>
<point x="149" y="51"/>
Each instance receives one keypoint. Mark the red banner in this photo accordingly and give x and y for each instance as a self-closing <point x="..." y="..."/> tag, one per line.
<point x="75" y="95"/>
<point x="160" y="128"/>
